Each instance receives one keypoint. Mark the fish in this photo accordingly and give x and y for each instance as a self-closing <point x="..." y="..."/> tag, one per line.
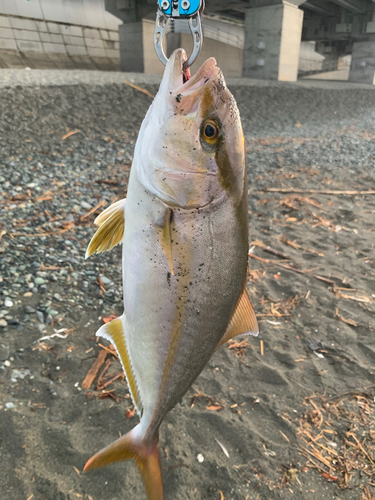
<point x="184" y="233"/>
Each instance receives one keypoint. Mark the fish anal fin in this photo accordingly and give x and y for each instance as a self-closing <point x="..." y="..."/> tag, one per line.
<point x="114" y="331"/>
<point x="163" y="229"/>
<point x="146" y="456"/>
<point x="111" y="229"/>
<point x="243" y="320"/>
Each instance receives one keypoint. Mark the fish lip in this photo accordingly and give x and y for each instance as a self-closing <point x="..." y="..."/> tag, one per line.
<point x="206" y="73"/>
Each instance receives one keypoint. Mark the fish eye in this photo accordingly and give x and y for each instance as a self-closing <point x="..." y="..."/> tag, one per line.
<point x="210" y="131"/>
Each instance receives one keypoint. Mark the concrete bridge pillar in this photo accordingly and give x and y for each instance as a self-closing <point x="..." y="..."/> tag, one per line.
<point x="272" y="41"/>
<point x="131" y="47"/>
<point x="362" y="67"/>
<point x="134" y="34"/>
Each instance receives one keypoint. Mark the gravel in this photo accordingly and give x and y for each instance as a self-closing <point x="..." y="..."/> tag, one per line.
<point x="49" y="183"/>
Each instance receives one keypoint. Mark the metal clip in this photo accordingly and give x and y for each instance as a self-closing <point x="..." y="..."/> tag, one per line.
<point x="183" y="9"/>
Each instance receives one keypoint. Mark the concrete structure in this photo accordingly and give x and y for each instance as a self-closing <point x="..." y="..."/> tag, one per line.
<point x="309" y="60"/>
<point x="254" y="38"/>
<point x="57" y="33"/>
<point x="223" y="40"/>
<point x="362" y="68"/>
<point x="273" y="30"/>
<point x="137" y="48"/>
<point x="272" y="42"/>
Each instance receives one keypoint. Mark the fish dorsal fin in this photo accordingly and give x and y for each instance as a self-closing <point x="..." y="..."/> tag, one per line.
<point x="114" y="331"/>
<point x="163" y="230"/>
<point x="111" y="224"/>
<point x="243" y="320"/>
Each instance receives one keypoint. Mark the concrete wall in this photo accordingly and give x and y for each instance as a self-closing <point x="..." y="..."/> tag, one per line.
<point x="338" y="75"/>
<point x="309" y="59"/>
<point x="28" y="35"/>
<point x="70" y="28"/>
<point x="362" y="68"/>
<point x="89" y="13"/>
<point x="228" y="58"/>
<point x="228" y="32"/>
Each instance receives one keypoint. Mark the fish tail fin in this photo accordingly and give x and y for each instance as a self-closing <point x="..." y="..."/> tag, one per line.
<point x="145" y="455"/>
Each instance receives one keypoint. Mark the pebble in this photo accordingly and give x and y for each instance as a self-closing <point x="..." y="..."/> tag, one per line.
<point x="3" y="323"/>
<point x="40" y="316"/>
<point x="13" y="321"/>
<point x="39" y="280"/>
<point x="86" y="205"/>
<point x="9" y="406"/>
<point x="200" y="458"/>
<point x="19" y="374"/>
<point x="106" y="281"/>
<point x="8" y="303"/>
<point x="57" y="297"/>
<point x="29" y="310"/>
<point x="4" y="352"/>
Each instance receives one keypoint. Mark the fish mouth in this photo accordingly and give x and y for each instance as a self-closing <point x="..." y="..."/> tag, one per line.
<point x="180" y="79"/>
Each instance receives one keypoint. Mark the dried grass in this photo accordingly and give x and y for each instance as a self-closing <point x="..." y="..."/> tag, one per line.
<point x="337" y="437"/>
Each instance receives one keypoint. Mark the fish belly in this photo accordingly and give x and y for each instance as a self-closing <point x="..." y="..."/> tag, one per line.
<point x="175" y="322"/>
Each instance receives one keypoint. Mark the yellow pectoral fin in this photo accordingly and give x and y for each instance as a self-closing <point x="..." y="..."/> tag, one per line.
<point x="109" y="211"/>
<point x="115" y="333"/>
<point x="243" y="320"/>
<point x="111" y="229"/>
<point x="163" y="229"/>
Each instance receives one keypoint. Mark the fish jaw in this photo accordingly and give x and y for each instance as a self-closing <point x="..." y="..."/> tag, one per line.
<point x="172" y="160"/>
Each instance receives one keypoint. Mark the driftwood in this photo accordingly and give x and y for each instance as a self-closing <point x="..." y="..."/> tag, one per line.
<point x="315" y="191"/>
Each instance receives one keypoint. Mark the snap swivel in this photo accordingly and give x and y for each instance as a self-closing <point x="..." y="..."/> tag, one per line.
<point x="179" y="9"/>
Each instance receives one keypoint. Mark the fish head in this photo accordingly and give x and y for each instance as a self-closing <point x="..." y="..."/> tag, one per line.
<point x="191" y="143"/>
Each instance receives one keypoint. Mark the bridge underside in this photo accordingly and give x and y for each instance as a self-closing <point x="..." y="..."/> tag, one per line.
<point x="268" y="33"/>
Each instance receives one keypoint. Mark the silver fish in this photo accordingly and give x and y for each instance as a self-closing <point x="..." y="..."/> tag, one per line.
<point x="184" y="231"/>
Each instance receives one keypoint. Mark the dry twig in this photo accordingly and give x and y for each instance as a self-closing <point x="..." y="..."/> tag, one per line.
<point x="92" y="373"/>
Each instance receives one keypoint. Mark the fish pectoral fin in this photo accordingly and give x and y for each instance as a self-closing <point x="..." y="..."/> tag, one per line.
<point x="109" y="211"/>
<point x="243" y="320"/>
<point x="146" y="456"/>
<point x="163" y="230"/>
<point x="114" y="331"/>
<point x="111" y="229"/>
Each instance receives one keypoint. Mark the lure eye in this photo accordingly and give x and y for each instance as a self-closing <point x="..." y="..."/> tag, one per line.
<point x="210" y="131"/>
